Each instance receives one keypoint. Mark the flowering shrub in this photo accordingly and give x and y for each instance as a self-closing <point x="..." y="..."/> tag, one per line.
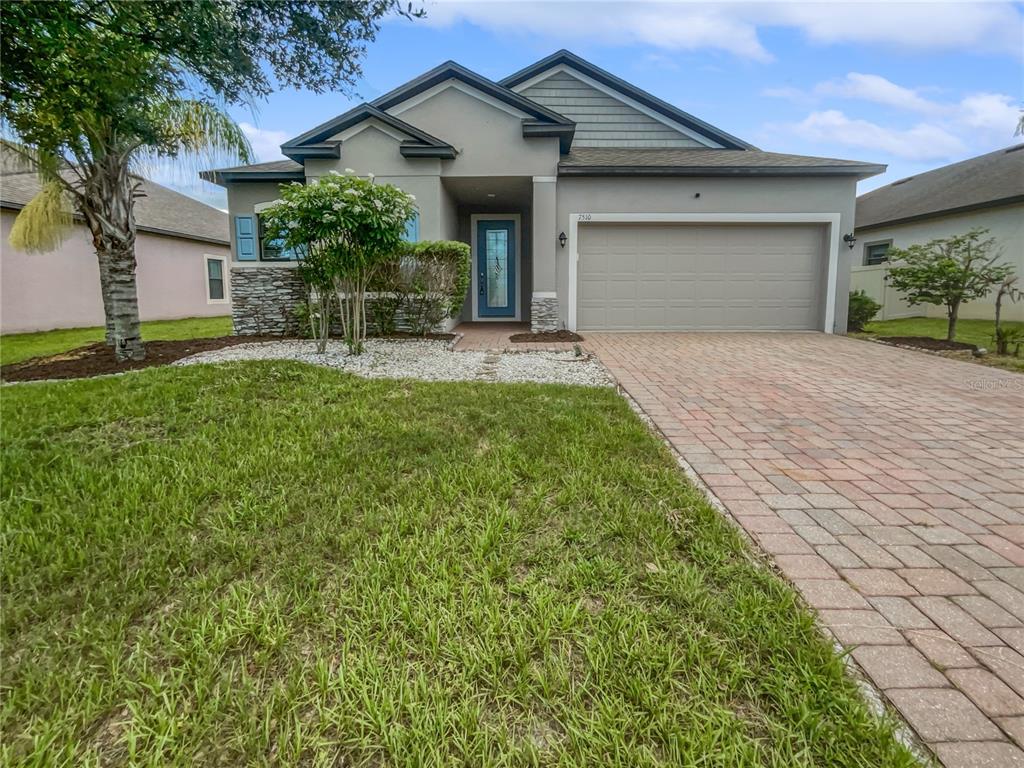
<point x="344" y="227"/>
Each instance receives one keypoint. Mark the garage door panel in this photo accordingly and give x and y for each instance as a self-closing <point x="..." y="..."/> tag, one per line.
<point x="699" y="277"/>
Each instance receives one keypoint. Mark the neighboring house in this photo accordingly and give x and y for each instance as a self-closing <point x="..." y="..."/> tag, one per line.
<point x="985" y="191"/>
<point x="181" y="249"/>
<point x="588" y="203"/>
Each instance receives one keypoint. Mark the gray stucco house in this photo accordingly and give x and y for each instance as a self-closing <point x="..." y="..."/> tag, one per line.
<point x="588" y="203"/>
<point x="985" y="191"/>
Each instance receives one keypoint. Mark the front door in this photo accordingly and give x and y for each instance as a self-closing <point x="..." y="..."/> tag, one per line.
<point x="496" y="268"/>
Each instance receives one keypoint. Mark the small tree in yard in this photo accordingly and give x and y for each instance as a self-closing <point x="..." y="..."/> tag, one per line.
<point x="949" y="271"/>
<point x="345" y="226"/>
<point x="1003" y="338"/>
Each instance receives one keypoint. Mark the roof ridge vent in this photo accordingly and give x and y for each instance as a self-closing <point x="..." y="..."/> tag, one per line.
<point x="902" y="181"/>
<point x="1013" y="149"/>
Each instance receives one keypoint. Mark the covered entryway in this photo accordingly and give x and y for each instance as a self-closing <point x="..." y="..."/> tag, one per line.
<point x="700" y="276"/>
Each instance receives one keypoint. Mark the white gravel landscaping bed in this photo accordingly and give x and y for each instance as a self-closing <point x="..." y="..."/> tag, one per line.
<point x="426" y="360"/>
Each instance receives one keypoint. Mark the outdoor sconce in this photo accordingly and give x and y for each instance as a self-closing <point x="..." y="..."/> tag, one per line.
<point x="849" y="239"/>
<point x="561" y="239"/>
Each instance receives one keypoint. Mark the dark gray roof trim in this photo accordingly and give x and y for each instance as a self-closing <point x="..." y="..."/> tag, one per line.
<point x="716" y="170"/>
<point x="648" y="100"/>
<point x="276" y="170"/>
<point x="563" y="132"/>
<point x="313" y="142"/>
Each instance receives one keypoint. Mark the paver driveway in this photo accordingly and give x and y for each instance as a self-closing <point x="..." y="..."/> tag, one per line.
<point x="888" y="485"/>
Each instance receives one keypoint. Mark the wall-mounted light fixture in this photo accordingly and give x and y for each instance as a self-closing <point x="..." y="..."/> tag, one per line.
<point x="561" y="239"/>
<point x="849" y="239"/>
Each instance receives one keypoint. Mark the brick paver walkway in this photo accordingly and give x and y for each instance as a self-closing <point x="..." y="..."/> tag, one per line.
<point x="888" y="485"/>
<point x="494" y="337"/>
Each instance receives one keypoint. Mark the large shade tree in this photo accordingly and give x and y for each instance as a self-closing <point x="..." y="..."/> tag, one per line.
<point x="92" y="89"/>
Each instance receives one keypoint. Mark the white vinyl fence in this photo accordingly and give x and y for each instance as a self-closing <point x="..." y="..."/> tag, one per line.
<point x="872" y="281"/>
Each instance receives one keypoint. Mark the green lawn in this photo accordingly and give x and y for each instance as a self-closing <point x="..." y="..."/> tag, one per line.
<point x="16" y="347"/>
<point x="272" y="563"/>
<point x="978" y="332"/>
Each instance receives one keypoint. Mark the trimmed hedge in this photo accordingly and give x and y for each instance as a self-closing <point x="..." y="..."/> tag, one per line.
<point x="424" y="284"/>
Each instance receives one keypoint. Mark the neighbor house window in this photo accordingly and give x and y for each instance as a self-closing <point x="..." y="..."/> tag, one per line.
<point x="215" y="290"/>
<point x="876" y="253"/>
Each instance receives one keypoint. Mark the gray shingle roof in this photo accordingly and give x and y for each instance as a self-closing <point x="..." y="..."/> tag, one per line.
<point x="160" y="209"/>
<point x="284" y="166"/>
<point x="275" y="170"/>
<point x="993" y="179"/>
<point x="599" y="161"/>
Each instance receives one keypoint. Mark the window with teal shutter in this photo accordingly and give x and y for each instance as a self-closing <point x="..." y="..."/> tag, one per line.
<point x="412" y="228"/>
<point x="245" y="238"/>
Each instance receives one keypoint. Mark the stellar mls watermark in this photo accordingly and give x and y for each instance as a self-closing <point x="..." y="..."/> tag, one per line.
<point x="992" y="384"/>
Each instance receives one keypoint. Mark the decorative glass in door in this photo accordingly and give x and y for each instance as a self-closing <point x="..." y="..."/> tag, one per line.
<point x="496" y="263"/>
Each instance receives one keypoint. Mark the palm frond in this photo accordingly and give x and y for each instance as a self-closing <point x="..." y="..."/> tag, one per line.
<point x="44" y="223"/>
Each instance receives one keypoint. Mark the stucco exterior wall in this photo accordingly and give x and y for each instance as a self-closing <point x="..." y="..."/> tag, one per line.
<point x="39" y="292"/>
<point x="1005" y="224"/>
<point x="488" y="138"/>
<point x="716" y="195"/>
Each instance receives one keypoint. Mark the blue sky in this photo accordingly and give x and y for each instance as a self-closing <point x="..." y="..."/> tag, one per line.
<point x="914" y="85"/>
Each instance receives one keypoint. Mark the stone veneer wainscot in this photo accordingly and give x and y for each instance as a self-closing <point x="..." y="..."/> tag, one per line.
<point x="264" y="299"/>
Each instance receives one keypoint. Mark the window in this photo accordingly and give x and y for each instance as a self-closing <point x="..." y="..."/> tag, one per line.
<point x="271" y="249"/>
<point x="876" y="253"/>
<point x="215" y="279"/>
<point x="412" y="228"/>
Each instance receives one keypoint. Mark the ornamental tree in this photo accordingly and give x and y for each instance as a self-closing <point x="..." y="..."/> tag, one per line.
<point x="93" y="89"/>
<point x="344" y="227"/>
<point x="949" y="271"/>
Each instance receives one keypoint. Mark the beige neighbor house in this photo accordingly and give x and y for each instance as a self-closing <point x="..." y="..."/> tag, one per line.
<point x="182" y="253"/>
<point x="985" y="191"/>
<point x="588" y="204"/>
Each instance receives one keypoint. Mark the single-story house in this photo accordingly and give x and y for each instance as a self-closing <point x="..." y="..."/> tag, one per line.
<point x="985" y="191"/>
<point x="588" y="203"/>
<point x="181" y="250"/>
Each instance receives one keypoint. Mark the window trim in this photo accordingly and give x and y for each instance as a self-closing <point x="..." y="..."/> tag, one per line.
<point x="864" y="258"/>
<point x="207" y="258"/>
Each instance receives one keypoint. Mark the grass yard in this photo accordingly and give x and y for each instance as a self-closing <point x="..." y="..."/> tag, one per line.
<point x="978" y="332"/>
<point x="272" y="563"/>
<point x="15" y="347"/>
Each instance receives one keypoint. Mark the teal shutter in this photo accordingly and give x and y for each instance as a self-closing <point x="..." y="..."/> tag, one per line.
<point x="412" y="228"/>
<point x="245" y="238"/>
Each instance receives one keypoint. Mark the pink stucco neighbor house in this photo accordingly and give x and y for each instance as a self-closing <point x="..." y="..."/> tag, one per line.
<point x="182" y="252"/>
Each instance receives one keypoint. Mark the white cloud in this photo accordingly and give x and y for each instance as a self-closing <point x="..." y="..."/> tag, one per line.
<point x="266" y="145"/>
<point x="734" y="27"/>
<point x="920" y="142"/>
<point x="877" y="89"/>
<point x="992" y="112"/>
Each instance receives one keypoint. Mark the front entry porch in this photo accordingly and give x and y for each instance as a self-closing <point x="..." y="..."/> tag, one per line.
<point x="508" y="221"/>
<point x="496" y="337"/>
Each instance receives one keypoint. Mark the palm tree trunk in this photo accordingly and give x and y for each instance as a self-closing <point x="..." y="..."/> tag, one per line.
<point x="107" y="206"/>
<point x="108" y="314"/>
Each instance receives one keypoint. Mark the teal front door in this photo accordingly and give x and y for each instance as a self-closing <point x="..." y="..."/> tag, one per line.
<point x="496" y="268"/>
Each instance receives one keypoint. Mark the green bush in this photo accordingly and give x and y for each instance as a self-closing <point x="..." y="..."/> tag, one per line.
<point x="862" y="309"/>
<point x="426" y="282"/>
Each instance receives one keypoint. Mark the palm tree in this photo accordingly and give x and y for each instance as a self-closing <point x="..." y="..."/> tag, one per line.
<point x="100" y="181"/>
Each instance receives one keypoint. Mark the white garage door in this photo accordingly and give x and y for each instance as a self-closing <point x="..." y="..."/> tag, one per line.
<point x="700" y="277"/>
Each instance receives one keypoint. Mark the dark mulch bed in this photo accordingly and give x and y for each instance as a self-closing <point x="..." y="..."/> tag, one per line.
<point x="98" y="359"/>
<point x="545" y="336"/>
<point x="924" y="342"/>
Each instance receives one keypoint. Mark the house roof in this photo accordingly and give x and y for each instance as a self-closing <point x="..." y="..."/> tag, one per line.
<point x="159" y="210"/>
<point x="314" y="143"/>
<point x="275" y="170"/>
<point x="607" y="161"/>
<point x="981" y="182"/>
<point x="650" y="101"/>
